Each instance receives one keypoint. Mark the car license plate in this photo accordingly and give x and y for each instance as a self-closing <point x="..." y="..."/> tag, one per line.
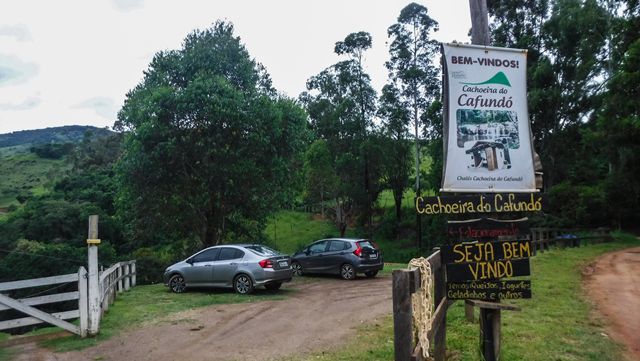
<point x="373" y="256"/>
<point x="283" y="264"/>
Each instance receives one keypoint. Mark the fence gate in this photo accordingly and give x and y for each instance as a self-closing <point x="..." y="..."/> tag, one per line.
<point x="37" y="316"/>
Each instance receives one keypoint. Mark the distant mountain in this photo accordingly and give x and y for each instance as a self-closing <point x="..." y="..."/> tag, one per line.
<point x="65" y="134"/>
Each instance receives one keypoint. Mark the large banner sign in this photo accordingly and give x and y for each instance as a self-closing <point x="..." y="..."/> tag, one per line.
<point x="486" y="124"/>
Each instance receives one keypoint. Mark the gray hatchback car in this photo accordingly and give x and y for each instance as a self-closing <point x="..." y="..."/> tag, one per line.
<point x="343" y="256"/>
<point x="240" y="266"/>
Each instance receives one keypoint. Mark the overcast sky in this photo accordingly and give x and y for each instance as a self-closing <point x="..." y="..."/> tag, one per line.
<point x="72" y="61"/>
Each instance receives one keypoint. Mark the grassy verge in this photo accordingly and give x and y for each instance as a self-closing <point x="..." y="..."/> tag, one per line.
<point x="145" y="305"/>
<point x="557" y="324"/>
<point x="290" y="231"/>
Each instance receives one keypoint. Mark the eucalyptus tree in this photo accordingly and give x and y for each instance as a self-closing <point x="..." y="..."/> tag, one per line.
<point x="340" y="102"/>
<point x="411" y="67"/>
<point x="209" y="146"/>
<point x="395" y="118"/>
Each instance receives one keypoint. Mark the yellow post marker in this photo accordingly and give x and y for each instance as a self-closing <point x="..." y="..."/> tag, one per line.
<point x="93" y="241"/>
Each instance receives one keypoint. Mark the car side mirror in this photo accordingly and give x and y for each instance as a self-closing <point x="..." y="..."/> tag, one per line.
<point x="189" y="261"/>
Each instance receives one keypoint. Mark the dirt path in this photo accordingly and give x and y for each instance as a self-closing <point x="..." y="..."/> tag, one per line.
<point x="321" y="315"/>
<point x="613" y="282"/>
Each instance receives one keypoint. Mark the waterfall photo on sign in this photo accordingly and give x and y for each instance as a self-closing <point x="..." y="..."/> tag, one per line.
<point x="487" y="131"/>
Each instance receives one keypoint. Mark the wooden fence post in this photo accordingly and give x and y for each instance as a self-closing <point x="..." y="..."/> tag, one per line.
<point x="120" y="283"/>
<point x="133" y="272"/>
<point x="127" y="279"/>
<point x="93" y="277"/>
<point x="83" y="307"/>
<point x="402" y="315"/>
<point x="440" y="336"/>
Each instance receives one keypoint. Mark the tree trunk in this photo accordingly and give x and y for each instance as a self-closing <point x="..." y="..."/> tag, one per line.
<point x="397" y="198"/>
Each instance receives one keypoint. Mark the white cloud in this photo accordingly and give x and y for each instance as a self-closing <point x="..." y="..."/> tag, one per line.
<point x="20" y="32"/>
<point x="26" y="104"/>
<point x="128" y="5"/>
<point x="15" y="71"/>
<point x="103" y="106"/>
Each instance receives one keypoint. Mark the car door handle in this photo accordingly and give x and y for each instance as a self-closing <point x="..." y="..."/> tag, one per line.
<point x="233" y="264"/>
<point x="208" y="265"/>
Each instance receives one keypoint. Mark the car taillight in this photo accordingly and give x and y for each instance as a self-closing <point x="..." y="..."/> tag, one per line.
<point x="358" y="251"/>
<point x="266" y="263"/>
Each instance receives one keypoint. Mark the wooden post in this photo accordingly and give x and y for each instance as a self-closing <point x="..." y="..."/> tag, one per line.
<point x="133" y="272"/>
<point x="127" y="279"/>
<point x="479" y="22"/>
<point x="402" y="315"/>
<point x="468" y="312"/>
<point x="120" y="283"/>
<point x="440" y="336"/>
<point x="83" y="307"/>
<point x="490" y="333"/>
<point x="490" y="314"/>
<point x="93" y="277"/>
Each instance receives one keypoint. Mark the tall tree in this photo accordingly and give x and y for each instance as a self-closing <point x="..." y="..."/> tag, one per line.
<point x="341" y="103"/>
<point x="412" y="71"/>
<point x="395" y="127"/>
<point x="209" y="144"/>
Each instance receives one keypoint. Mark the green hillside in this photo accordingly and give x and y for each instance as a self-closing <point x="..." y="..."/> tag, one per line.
<point x="23" y="174"/>
<point x="65" y="134"/>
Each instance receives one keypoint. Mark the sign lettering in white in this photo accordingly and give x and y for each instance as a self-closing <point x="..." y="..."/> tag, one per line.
<point x="486" y="123"/>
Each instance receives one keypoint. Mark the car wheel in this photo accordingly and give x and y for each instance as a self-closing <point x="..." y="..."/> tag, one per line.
<point x="177" y="284"/>
<point x="371" y="274"/>
<point x="297" y="269"/>
<point x="272" y="286"/>
<point x="243" y="284"/>
<point x="347" y="272"/>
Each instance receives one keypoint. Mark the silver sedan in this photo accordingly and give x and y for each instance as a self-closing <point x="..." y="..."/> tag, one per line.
<point x="241" y="266"/>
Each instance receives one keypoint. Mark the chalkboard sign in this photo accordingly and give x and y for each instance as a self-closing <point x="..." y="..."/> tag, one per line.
<point x="489" y="290"/>
<point x="485" y="251"/>
<point x="489" y="270"/>
<point x="487" y="228"/>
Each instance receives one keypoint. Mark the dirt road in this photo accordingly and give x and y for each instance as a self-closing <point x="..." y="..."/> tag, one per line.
<point x="613" y="282"/>
<point x="322" y="315"/>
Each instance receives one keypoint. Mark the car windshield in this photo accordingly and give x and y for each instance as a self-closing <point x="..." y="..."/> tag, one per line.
<point x="366" y="244"/>
<point x="263" y="250"/>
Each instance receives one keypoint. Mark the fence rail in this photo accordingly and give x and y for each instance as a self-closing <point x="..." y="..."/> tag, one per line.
<point x="36" y="316"/>
<point x="116" y="279"/>
<point x="543" y="238"/>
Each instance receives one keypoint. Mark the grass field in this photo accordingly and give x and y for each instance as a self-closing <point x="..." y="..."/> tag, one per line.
<point x="558" y="323"/>
<point x="290" y="231"/>
<point x="26" y="173"/>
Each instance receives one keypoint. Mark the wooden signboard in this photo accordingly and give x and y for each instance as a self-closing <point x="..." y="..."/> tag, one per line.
<point x="494" y="290"/>
<point x="487" y="228"/>
<point x="487" y="270"/>
<point x="482" y="203"/>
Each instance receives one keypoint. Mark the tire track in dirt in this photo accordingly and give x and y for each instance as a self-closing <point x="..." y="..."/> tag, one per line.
<point x="322" y="314"/>
<point x="613" y="283"/>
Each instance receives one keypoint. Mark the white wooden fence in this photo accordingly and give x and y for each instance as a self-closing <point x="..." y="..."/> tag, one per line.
<point x="116" y="279"/>
<point x="25" y="305"/>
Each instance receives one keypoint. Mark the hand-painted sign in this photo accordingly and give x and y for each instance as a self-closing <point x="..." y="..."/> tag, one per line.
<point x="487" y="228"/>
<point x="483" y="203"/>
<point x="489" y="290"/>
<point x="486" y="123"/>
<point x="487" y="270"/>
<point x="485" y="251"/>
